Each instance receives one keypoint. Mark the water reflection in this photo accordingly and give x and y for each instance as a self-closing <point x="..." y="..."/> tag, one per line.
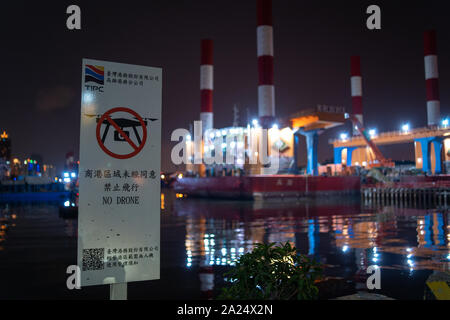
<point x="203" y="238"/>
<point x="340" y="233"/>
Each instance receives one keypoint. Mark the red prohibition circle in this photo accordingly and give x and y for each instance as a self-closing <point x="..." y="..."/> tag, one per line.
<point x="106" y="116"/>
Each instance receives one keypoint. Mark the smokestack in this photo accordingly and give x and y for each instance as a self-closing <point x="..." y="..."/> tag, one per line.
<point x="266" y="89"/>
<point x="432" y="78"/>
<point x="356" y="83"/>
<point x="206" y="84"/>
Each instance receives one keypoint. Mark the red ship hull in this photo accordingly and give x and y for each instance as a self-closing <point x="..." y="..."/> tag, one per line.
<point x="261" y="187"/>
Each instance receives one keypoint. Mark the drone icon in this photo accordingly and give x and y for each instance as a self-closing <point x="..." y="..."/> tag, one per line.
<point x="123" y="123"/>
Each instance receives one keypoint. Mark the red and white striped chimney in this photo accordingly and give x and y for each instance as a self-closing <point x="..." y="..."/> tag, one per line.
<point x="432" y="78"/>
<point x="266" y="89"/>
<point x="206" y="84"/>
<point x="356" y="84"/>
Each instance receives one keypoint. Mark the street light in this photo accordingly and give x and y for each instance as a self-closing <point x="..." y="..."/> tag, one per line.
<point x="405" y="127"/>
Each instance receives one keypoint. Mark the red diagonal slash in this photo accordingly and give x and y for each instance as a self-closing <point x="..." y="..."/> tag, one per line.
<point x="123" y="134"/>
<point x="106" y="116"/>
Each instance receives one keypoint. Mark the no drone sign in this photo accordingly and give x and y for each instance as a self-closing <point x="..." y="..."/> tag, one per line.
<point x="119" y="185"/>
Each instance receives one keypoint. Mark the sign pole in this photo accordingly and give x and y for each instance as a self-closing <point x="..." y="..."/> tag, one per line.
<point x="118" y="291"/>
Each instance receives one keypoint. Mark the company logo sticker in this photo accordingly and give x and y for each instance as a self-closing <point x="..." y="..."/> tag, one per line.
<point x="94" y="74"/>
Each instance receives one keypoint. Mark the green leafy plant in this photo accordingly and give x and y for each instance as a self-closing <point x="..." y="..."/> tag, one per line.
<point x="273" y="272"/>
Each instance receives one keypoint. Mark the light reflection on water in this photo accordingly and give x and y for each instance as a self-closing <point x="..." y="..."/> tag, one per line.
<point x="218" y="232"/>
<point x="201" y="238"/>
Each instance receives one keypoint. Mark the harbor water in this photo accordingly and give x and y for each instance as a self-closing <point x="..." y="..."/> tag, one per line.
<point x="201" y="239"/>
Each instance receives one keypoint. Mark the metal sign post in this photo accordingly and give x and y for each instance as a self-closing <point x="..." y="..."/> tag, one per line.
<point x="119" y="175"/>
<point x="118" y="291"/>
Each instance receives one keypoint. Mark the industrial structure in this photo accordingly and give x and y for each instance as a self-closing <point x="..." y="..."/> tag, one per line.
<point x="430" y="143"/>
<point x="266" y="88"/>
<point x="206" y="84"/>
<point x="243" y="144"/>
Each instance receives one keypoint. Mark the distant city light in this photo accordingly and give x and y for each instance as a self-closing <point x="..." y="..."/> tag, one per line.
<point x="344" y="136"/>
<point x="163" y="177"/>
<point x="445" y="122"/>
<point x="73" y="174"/>
<point x="344" y="248"/>
<point x="405" y="127"/>
<point x="275" y="126"/>
<point x="180" y="176"/>
<point x="66" y="180"/>
<point x="255" y="122"/>
<point x="224" y="132"/>
<point x="67" y="203"/>
<point x="65" y="174"/>
<point x="188" y="137"/>
<point x="372" y="133"/>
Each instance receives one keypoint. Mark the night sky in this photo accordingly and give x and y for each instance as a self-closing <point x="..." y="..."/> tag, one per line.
<point x="313" y="40"/>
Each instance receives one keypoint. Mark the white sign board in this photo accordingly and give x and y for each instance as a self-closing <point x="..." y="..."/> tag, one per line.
<point x="119" y="173"/>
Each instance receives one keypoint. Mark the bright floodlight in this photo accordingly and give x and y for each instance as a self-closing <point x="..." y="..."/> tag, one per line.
<point x="255" y="122"/>
<point x="445" y="122"/>
<point x="372" y="132"/>
<point x="405" y="127"/>
<point x="344" y="136"/>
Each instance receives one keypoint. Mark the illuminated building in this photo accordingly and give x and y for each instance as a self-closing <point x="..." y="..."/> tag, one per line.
<point x="5" y="147"/>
